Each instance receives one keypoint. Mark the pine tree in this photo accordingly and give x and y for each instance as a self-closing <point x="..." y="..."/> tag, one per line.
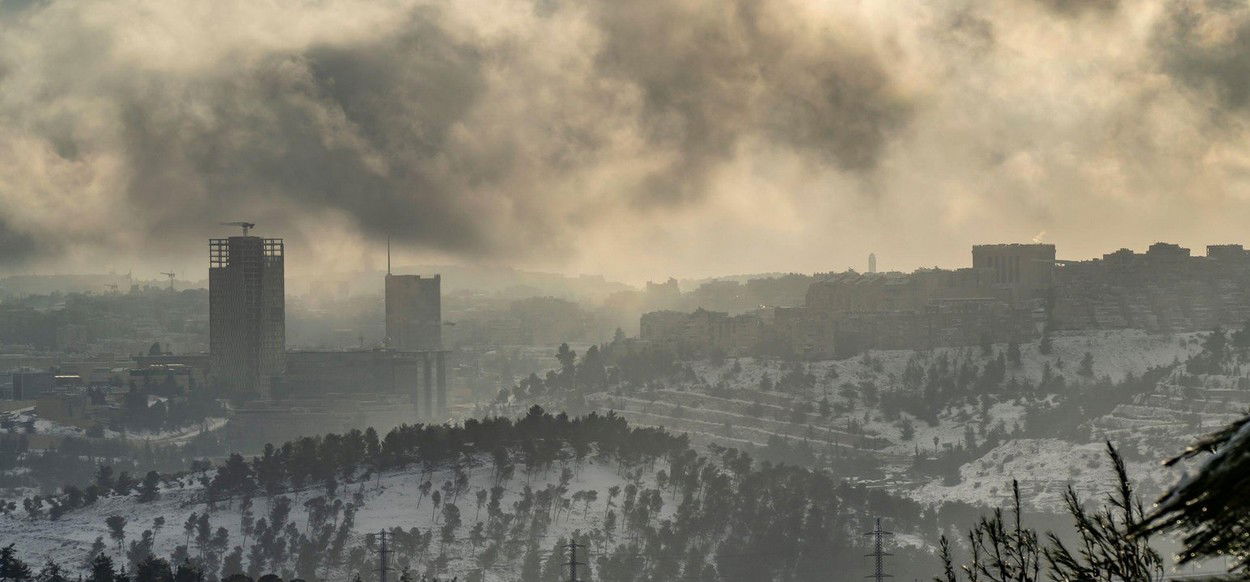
<point x="153" y="569"/>
<point x="97" y="548"/>
<point x="1013" y="354"/>
<point x="1210" y="507"/>
<point x="1108" y="549"/>
<point x="233" y="563"/>
<point x="531" y="566"/>
<point x="187" y="572"/>
<point x="117" y="529"/>
<point x="12" y="568"/>
<point x="52" y="572"/>
<point x="149" y="489"/>
<point x="102" y="569"/>
<point x="1087" y="366"/>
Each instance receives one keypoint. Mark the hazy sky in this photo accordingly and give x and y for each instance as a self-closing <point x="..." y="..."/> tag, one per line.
<point x="635" y="138"/>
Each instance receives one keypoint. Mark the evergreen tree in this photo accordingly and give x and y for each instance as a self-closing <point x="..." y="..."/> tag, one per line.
<point x="1108" y="548"/>
<point x="149" y="489"/>
<point x="12" y="568"/>
<point x="1210" y="507"/>
<point x="97" y="548"/>
<point x="451" y="522"/>
<point x="153" y="569"/>
<point x="187" y="572"/>
<point x="140" y="550"/>
<point x="117" y="529"/>
<point x="1007" y="551"/>
<point x="233" y="564"/>
<point x="52" y="572"/>
<point x="1087" y="366"/>
<point x="1013" y="354"/>
<point x="102" y="569"/>
<point x="531" y="567"/>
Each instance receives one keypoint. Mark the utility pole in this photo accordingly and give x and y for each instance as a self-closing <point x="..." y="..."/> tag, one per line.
<point x="878" y="554"/>
<point x="573" y="563"/>
<point x="383" y="553"/>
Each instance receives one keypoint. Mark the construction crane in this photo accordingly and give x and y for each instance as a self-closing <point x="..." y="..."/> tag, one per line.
<point x="171" y="280"/>
<point x="245" y="225"/>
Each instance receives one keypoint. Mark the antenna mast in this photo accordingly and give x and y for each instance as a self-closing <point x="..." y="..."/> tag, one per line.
<point x="388" y="254"/>
<point x="878" y="554"/>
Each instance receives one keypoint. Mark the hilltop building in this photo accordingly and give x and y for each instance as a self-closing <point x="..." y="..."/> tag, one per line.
<point x="1012" y="292"/>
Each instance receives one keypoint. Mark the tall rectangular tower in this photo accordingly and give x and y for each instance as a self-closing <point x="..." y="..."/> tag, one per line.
<point x="246" y="313"/>
<point x="414" y="312"/>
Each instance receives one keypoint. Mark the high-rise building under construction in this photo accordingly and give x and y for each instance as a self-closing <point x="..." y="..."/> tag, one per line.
<point x="247" y="313"/>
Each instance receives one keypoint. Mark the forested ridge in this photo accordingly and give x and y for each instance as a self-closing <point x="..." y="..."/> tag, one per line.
<point x="508" y="500"/>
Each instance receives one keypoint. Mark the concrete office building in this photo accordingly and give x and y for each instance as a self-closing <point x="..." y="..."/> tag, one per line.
<point x="414" y="326"/>
<point x="414" y="317"/>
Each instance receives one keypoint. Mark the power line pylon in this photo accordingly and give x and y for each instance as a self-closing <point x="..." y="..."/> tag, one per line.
<point x="573" y="563"/>
<point x="383" y="553"/>
<point x="878" y="553"/>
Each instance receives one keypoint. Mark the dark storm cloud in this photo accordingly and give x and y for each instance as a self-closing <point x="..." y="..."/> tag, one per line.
<point x="357" y="129"/>
<point x="414" y="131"/>
<point x="1205" y="44"/>
<point x="641" y="137"/>
<point x="16" y="248"/>
<point x="1077" y="7"/>
<point x="711" y="73"/>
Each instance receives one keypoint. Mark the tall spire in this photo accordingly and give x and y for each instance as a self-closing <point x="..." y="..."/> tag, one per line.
<point x="388" y="254"/>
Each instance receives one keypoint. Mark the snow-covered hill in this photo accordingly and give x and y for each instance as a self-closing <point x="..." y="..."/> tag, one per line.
<point x="742" y="402"/>
<point x="1044" y="468"/>
<point x="389" y="500"/>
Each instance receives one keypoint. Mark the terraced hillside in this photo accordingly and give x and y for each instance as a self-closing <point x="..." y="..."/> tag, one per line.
<point x="1182" y="407"/>
<point x="720" y="418"/>
<point x="868" y="408"/>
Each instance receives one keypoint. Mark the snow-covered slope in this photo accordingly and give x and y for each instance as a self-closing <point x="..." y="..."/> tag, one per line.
<point x="389" y="500"/>
<point x="1044" y="468"/>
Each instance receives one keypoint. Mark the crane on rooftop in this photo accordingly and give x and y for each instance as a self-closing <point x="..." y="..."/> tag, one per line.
<point x="171" y="280"/>
<point x="245" y="225"/>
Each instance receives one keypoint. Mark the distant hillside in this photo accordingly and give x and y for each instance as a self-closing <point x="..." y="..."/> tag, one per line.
<point x="490" y="500"/>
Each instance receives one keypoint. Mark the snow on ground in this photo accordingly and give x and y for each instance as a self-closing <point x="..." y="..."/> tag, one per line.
<point x="178" y="436"/>
<point x="20" y="418"/>
<point x="1044" y="468"/>
<point x="1115" y="352"/>
<point x="949" y="431"/>
<point x="393" y="500"/>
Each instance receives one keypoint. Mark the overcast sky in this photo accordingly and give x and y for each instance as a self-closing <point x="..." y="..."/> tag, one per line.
<point x="637" y="139"/>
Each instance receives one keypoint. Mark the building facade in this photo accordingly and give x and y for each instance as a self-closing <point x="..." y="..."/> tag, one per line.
<point x="414" y="312"/>
<point x="1029" y="268"/>
<point x="247" y="313"/>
